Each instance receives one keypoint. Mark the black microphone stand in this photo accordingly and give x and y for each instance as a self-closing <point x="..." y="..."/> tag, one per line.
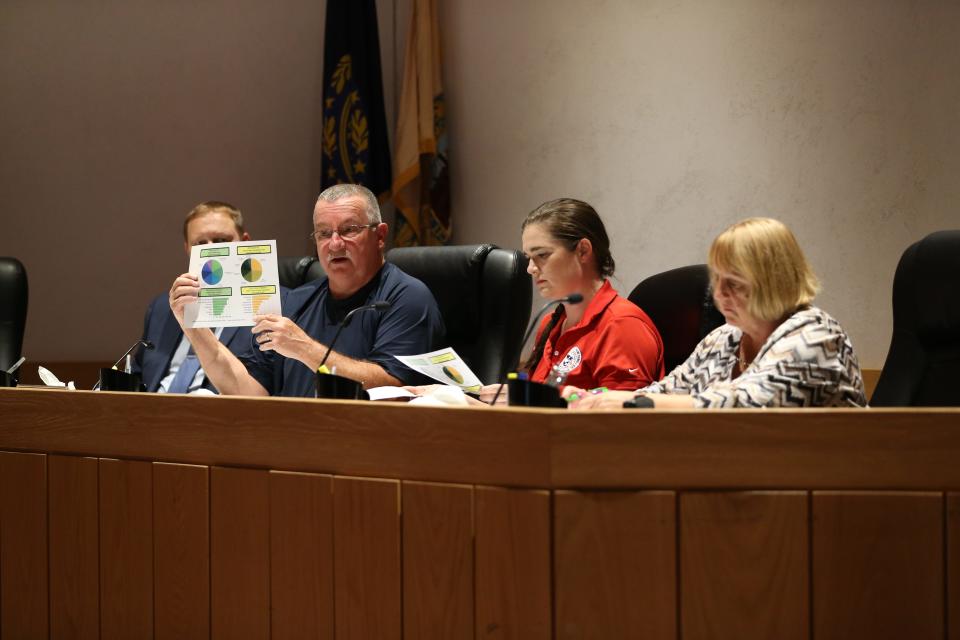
<point x="115" y="375"/>
<point x="330" y="385"/>
<point x="376" y="306"/>
<point x="573" y="298"/>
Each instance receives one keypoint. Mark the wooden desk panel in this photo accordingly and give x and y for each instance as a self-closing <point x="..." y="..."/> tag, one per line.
<point x="24" y="569"/>
<point x="878" y="564"/>
<point x="274" y="518"/>
<point x="126" y="549"/>
<point x="181" y="552"/>
<point x="74" y="547"/>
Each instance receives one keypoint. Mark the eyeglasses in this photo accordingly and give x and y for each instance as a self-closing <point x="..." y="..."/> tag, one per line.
<point x="348" y="232"/>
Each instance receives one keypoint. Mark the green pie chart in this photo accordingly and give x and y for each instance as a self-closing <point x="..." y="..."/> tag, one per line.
<point x="251" y="269"/>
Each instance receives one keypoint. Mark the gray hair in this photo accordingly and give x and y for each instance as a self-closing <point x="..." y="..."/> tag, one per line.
<point x="341" y="191"/>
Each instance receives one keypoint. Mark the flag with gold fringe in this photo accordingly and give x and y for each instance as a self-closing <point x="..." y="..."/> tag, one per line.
<point x="421" y="187"/>
<point x="355" y="147"/>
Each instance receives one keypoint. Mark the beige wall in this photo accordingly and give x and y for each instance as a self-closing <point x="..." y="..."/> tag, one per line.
<point x="116" y="117"/>
<point x="674" y="118"/>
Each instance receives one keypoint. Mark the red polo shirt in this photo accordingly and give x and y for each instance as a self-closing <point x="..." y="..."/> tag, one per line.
<point x="615" y="345"/>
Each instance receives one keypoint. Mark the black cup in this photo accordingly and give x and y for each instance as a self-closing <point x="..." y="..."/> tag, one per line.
<point x="116" y="380"/>
<point x="334" y="387"/>
<point x="7" y="379"/>
<point x="525" y="393"/>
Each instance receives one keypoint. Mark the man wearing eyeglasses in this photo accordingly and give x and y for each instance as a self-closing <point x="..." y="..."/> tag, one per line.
<point x="171" y="366"/>
<point x="350" y="237"/>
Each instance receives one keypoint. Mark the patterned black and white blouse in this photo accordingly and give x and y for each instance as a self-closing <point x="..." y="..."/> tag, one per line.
<point x="807" y="361"/>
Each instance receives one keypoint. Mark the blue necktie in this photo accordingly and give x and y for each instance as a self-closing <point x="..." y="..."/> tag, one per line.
<point x="185" y="374"/>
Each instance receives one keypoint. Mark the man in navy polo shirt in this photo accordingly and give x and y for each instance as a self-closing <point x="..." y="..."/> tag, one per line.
<point x="350" y="237"/>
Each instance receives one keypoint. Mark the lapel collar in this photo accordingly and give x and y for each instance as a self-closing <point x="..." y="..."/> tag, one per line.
<point x="228" y="334"/>
<point x="169" y="338"/>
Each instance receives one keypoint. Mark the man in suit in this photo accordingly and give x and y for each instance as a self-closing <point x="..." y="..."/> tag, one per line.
<point x="171" y="366"/>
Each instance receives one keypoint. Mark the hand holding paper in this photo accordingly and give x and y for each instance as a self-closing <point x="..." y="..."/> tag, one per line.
<point x="235" y="281"/>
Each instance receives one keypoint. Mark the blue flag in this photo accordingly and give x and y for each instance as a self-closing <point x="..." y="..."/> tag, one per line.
<point x="355" y="147"/>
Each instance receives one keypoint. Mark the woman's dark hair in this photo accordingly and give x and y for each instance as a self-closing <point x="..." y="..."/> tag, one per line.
<point x="569" y="220"/>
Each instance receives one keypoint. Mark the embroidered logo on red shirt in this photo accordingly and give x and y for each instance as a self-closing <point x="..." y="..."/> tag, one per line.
<point x="570" y="361"/>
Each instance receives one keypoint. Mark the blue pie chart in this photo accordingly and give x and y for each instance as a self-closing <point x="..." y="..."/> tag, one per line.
<point x="212" y="272"/>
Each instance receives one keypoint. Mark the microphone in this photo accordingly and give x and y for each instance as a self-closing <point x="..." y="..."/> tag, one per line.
<point x="573" y="298"/>
<point x="146" y="344"/>
<point x="375" y="306"/>
<point x="142" y="341"/>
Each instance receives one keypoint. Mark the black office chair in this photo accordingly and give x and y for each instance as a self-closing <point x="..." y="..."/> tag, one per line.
<point x="484" y="295"/>
<point x="298" y="270"/>
<point x="13" y="310"/>
<point x="680" y="305"/>
<point x="924" y="357"/>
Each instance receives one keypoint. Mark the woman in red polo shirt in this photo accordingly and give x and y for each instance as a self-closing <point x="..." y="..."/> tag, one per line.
<point x="604" y="341"/>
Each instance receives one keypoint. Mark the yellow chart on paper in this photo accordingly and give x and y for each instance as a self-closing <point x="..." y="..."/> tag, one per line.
<point x="257" y="301"/>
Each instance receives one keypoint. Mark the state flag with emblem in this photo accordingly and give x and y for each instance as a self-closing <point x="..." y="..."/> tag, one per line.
<point x="355" y="147"/>
<point x="421" y="190"/>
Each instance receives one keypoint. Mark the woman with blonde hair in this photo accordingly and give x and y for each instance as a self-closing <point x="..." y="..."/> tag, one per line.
<point x="775" y="350"/>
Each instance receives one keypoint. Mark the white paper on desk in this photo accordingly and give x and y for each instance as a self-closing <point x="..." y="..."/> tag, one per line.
<point x="444" y="366"/>
<point x="238" y="280"/>
<point x="389" y="393"/>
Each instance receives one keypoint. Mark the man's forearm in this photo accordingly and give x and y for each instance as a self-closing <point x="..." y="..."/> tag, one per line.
<point x="368" y="373"/>
<point x="222" y="368"/>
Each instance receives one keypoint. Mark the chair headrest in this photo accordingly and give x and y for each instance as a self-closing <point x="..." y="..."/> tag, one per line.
<point x="297" y="270"/>
<point x="678" y="301"/>
<point x="14" y="294"/>
<point x="454" y="275"/>
<point x="926" y="288"/>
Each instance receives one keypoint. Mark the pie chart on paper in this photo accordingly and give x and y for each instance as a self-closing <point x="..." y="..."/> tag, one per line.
<point x="211" y="272"/>
<point x="251" y="269"/>
<point x="453" y="374"/>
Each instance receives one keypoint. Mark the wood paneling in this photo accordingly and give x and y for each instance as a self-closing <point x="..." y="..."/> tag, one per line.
<point x="878" y="565"/>
<point x="126" y="549"/>
<point x="437" y="562"/>
<point x="366" y="516"/>
<point x="74" y="548"/>
<point x="520" y="447"/>
<point x="870" y="379"/>
<point x="307" y="554"/>
<point x="744" y="565"/>
<point x="301" y="556"/>
<point x="181" y="537"/>
<point x="513" y="579"/>
<point x="239" y="553"/>
<point x="615" y="564"/>
<point x="385" y="439"/>
<point x="953" y="565"/>
<point x="23" y="546"/>
<point x="773" y="449"/>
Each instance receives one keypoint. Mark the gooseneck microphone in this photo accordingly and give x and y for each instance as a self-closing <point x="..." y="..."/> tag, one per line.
<point x="375" y="306"/>
<point x="142" y="341"/>
<point x="573" y="298"/>
<point x="146" y="345"/>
